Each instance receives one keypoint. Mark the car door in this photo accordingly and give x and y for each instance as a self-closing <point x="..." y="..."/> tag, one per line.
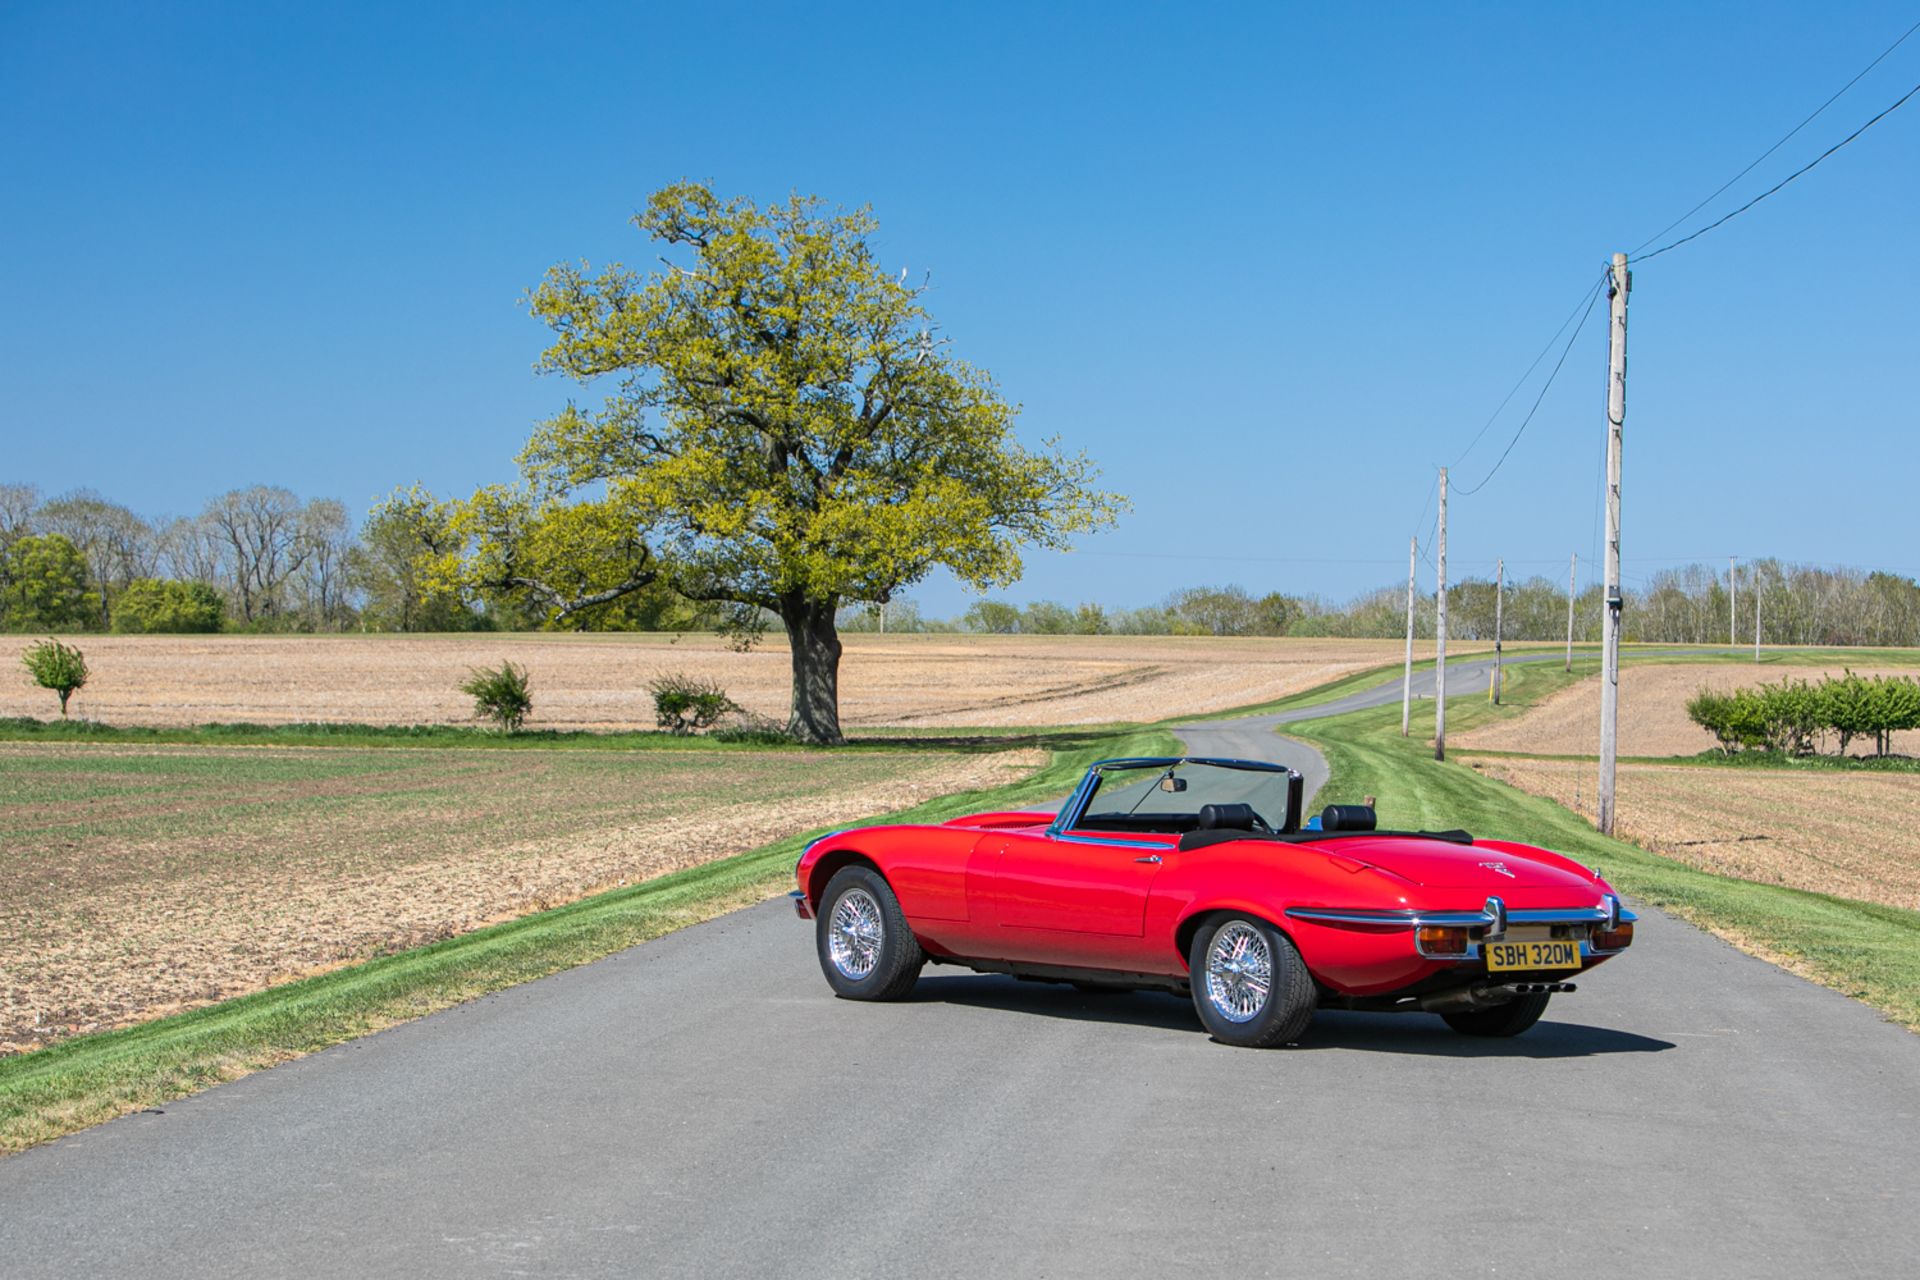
<point x="1071" y="899"/>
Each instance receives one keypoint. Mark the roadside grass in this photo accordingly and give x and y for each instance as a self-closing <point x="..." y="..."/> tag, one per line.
<point x="1865" y="950"/>
<point x="89" y="1079"/>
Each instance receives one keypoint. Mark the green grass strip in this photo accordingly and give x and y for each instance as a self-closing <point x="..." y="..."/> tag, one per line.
<point x="1866" y="950"/>
<point x="88" y="1079"/>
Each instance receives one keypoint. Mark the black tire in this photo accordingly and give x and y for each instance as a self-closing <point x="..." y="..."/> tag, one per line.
<point x="888" y="968"/>
<point x="1278" y="1017"/>
<point x="1508" y="1019"/>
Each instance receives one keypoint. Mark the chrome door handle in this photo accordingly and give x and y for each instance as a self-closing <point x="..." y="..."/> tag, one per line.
<point x="1152" y="857"/>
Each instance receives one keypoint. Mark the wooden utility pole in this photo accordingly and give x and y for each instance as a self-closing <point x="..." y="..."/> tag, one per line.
<point x="1754" y="585"/>
<point x="1406" y="681"/>
<point x="1440" y="631"/>
<point x="1733" y="601"/>
<point x="1573" y="576"/>
<point x="1499" y="602"/>
<point x="1619" y="283"/>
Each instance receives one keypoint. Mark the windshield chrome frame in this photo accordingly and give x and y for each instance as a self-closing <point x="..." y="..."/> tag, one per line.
<point x="1075" y="808"/>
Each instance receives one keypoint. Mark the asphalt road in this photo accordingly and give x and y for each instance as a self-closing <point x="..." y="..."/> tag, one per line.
<point x="700" y="1105"/>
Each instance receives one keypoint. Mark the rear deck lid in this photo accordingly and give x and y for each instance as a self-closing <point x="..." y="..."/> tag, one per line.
<point x="1440" y="864"/>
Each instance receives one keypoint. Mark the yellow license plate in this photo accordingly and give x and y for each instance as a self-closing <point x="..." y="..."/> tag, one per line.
<point x="1558" y="954"/>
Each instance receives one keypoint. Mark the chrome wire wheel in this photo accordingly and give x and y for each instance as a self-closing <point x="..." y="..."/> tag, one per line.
<point x="855" y="933"/>
<point x="1239" y="972"/>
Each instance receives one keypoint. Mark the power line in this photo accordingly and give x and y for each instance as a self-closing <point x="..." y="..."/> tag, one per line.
<point x="1721" y="189"/>
<point x="1784" y="181"/>
<point x="1585" y="299"/>
<point x="1593" y="294"/>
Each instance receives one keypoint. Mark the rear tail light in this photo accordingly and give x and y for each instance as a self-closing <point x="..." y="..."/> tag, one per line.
<point x="1441" y="940"/>
<point x="1618" y="938"/>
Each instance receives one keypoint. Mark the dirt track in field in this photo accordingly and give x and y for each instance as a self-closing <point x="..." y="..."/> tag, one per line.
<point x="1653" y="711"/>
<point x="141" y="881"/>
<point x="1823" y="831"/>
<point x="598" y="681"/>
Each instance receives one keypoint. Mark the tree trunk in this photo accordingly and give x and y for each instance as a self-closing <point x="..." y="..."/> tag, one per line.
<point x="815" y="642"/>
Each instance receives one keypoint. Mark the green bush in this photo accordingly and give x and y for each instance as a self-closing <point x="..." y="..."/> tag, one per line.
<point x="501" y="694"/>
<point x="684" y="704"/>
<point x="1793" y="712"/>
<point x="1898" y="707"/>
<point x="1791" y="717"/>
<point x="1713" y="711"/>
<point x="154" y="606"/>
<point x="1848" y="705"/>
<point x="56" y="666"/>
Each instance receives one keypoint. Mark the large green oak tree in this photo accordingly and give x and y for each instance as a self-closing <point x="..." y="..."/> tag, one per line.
<point x="782" y="431"/>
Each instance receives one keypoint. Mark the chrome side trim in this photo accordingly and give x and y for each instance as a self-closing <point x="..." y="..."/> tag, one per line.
<point x="1117" y="842"/>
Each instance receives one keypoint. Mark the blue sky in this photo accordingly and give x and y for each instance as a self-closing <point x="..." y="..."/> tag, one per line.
<point x="1268" y="264"/>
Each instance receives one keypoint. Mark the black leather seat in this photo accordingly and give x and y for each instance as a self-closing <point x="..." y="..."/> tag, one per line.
<point x="1226" y="817"/>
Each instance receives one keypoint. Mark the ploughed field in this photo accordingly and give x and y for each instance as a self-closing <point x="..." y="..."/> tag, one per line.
<point x="139" y="881"/>
<point x="1653" y="711"/>
<point x="599" y="681"/>
<point x="1847" y="833"/>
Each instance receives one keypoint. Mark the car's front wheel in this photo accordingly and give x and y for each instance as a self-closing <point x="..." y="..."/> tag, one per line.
<point x="866" y="948"/>
<point x="1250" y="985"/>
<point x="1508" y="1019"/>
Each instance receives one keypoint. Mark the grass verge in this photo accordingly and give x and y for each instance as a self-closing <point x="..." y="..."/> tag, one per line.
<point x="88" y="1079"/>
<point x="1865" y="950"/>
<point x="29" y="729"/>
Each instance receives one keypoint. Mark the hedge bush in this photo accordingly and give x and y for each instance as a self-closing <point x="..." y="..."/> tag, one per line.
<point x="1794" y="717"/>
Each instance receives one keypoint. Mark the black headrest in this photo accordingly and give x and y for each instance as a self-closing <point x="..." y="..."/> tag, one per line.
<point x="1226" y="817"/>
<point x="1347" y="817"/>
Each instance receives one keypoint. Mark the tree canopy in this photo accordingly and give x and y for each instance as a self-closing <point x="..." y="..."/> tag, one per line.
<point x="783" y="431"/>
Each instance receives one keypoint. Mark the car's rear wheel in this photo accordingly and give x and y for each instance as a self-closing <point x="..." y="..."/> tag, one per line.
<point x="866" y="948"/>
<point x="1508" y="1019"/>
<point x="1249" y="984"/>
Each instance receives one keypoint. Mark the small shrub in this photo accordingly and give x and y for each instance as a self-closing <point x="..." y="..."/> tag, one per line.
<point x="502" y="694"/>
<point x="684" y="704"/>
<point x="56" y="666"/>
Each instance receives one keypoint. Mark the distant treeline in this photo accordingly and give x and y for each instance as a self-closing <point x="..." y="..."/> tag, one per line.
<point x="1800" y="605"/>
<point x="264" y="559"/>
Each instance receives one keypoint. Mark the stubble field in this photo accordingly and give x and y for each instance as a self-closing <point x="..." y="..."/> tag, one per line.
<point x="598" y="681"/>
<point x="1844" y="833"/>
<point x="139" y="881"/>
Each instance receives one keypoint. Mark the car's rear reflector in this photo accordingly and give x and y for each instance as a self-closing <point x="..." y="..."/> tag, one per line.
<point x="1441" y="940"/>
<point x="1618" y="938"/>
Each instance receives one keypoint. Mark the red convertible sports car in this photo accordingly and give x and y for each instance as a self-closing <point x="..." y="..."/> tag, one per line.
<point x="1197" y="876"/>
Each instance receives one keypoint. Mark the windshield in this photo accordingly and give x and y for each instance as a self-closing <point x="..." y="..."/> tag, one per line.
<point x="1169" y="797"/>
